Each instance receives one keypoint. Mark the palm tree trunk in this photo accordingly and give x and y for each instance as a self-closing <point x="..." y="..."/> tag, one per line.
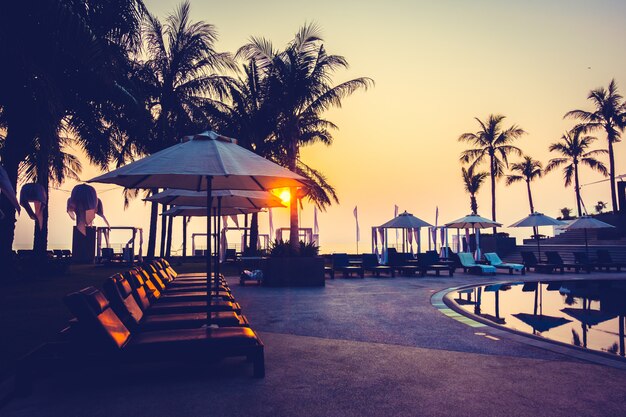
<point x="254" y="233"/>
<point x="612" y="177"/>
<point x="530" y="198"/>
<point x="493" y="193"/>
<point x="13" y="152"/>
<point x="293" y="202"/>
<point x="577" y="188"/>
<point x="154" y="214"/>
<point x="40" y="242"/>
<point x="473" y="204"/>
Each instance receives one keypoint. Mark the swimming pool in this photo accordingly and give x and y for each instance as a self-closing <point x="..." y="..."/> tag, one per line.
<point x="585" y="313"/>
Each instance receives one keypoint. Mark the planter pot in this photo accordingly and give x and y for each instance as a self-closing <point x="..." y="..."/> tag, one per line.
<point x="294" y="272"/>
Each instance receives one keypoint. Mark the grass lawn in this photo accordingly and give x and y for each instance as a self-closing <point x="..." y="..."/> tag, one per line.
<point x="32" y="310"/>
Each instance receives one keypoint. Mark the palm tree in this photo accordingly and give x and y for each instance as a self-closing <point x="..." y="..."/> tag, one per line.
<point x="492" y="143"/>
<point x="64" y="69"/>
<point x="528" y="170"/>
<point x="179" y="78"/>
<point x="472" y="182"/>
<point x="299" y="84"/>
<point x="610" y="115"/>
<point x="573" y="146"/>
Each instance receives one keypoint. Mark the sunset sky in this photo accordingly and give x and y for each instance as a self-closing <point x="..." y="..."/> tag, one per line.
<point x="436" y="66"/>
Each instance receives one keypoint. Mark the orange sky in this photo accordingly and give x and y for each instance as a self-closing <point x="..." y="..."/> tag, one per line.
<point x="436" y="67"/>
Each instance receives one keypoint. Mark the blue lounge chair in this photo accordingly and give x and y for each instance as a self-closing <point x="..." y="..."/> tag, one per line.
<point x="468" y="263"/>
<point x="495" y="260"/>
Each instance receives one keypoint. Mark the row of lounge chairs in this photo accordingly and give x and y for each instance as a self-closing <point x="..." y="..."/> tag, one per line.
<point x="152" y="313"/>
<point x="582" y="262"/>
<point x="399" y="263"/>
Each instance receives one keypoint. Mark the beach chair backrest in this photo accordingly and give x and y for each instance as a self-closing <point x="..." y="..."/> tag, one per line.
<point x="554" y="258"/>
<point x="120" y="294"/>
<point x="369" y="260"/>
<point x="466" y="259"/>
<point x="93" y="311"/>
<point x="340" y="260"/>
<point x="581" y="258"/>
<point x="493" y="258"/>
<point x="604" y="256"/>
<point x="529" y="258"/>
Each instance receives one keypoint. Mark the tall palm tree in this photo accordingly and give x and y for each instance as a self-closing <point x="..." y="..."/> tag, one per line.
<point x="299" y="83"/>
<point x="472" y="182"/>
<point x="179" y="78"/>
<point x="573" y="147"/>
<point x="528" y="170"/>
<point x="64" y="68"/>
<point x="609" y="114"/>
<point x="492" y="143"/>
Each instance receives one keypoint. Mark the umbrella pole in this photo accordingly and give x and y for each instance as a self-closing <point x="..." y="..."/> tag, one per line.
<point x="586" y="243"/>
<point x="218" y="244"/>
<point x="538" y="246"/>
<point x="209" y="203"/>
<point x="184" y="237"/>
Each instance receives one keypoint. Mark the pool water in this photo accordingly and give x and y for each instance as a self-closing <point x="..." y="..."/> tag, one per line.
<point x="585" y="313"/>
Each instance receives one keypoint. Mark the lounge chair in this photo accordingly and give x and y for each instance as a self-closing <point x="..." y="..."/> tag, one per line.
<point x="102" y="335"/>
<point x="495" y="260"/>
<point x="468" y="264"/>
<point x="554" y="258"/>
<point x="369" y="262"/>
<point x="341" y="263"/>
<point x="581" y="258"/>
<point x="605" y="261"/>
<point x="148" y="296"/>
<point x="530" y="261"/>
<point x="400" y="262"/>
<point x="429" y="261"/>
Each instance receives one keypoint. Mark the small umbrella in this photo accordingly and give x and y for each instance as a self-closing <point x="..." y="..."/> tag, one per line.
<point x="535" y="220"/>
<point x="230" y="198"/>
<point x="191" y="211"/>
<point x="204" y="162"/>
<point x="541" y="323"/>
<point x="587" y="222"/>
<point x="405" y="221"/>
<point x="476" y="222"/>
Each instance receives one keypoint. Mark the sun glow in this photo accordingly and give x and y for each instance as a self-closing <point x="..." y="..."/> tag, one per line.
<point x="285" y="196"/>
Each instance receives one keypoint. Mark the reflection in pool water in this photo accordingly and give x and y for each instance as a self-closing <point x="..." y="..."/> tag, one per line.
<point x="584" y="313"/>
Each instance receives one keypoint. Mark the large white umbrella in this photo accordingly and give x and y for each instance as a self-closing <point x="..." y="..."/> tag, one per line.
<point x="476" y="222"/>
<point x="587" y="222"/>
<point x="535" y="220"/>
<point x="405" y="221"/>
<point x="203" y="162"/>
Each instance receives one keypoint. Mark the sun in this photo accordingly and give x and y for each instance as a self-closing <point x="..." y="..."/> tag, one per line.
<point x="285" y="196"/>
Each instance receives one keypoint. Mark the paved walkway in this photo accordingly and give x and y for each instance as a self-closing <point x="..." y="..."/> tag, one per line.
<point x="373" y="347"/>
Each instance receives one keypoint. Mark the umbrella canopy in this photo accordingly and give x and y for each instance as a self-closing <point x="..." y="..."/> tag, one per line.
<point x="193" y="211"/>
<point x="188" y="164"/>
<point x="588" y="222"/>
<point x="230" y="198"/>
<point x="405" y="221"/>
<point x="588" y="316"/>
<point x="541" y="323"/>
<point x="204" y="162"/>
<point x="473" y="221"/>
<point x="537" y="219"/>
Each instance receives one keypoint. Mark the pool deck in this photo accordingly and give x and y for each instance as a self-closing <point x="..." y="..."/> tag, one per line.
<point x="372" y="347"/>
